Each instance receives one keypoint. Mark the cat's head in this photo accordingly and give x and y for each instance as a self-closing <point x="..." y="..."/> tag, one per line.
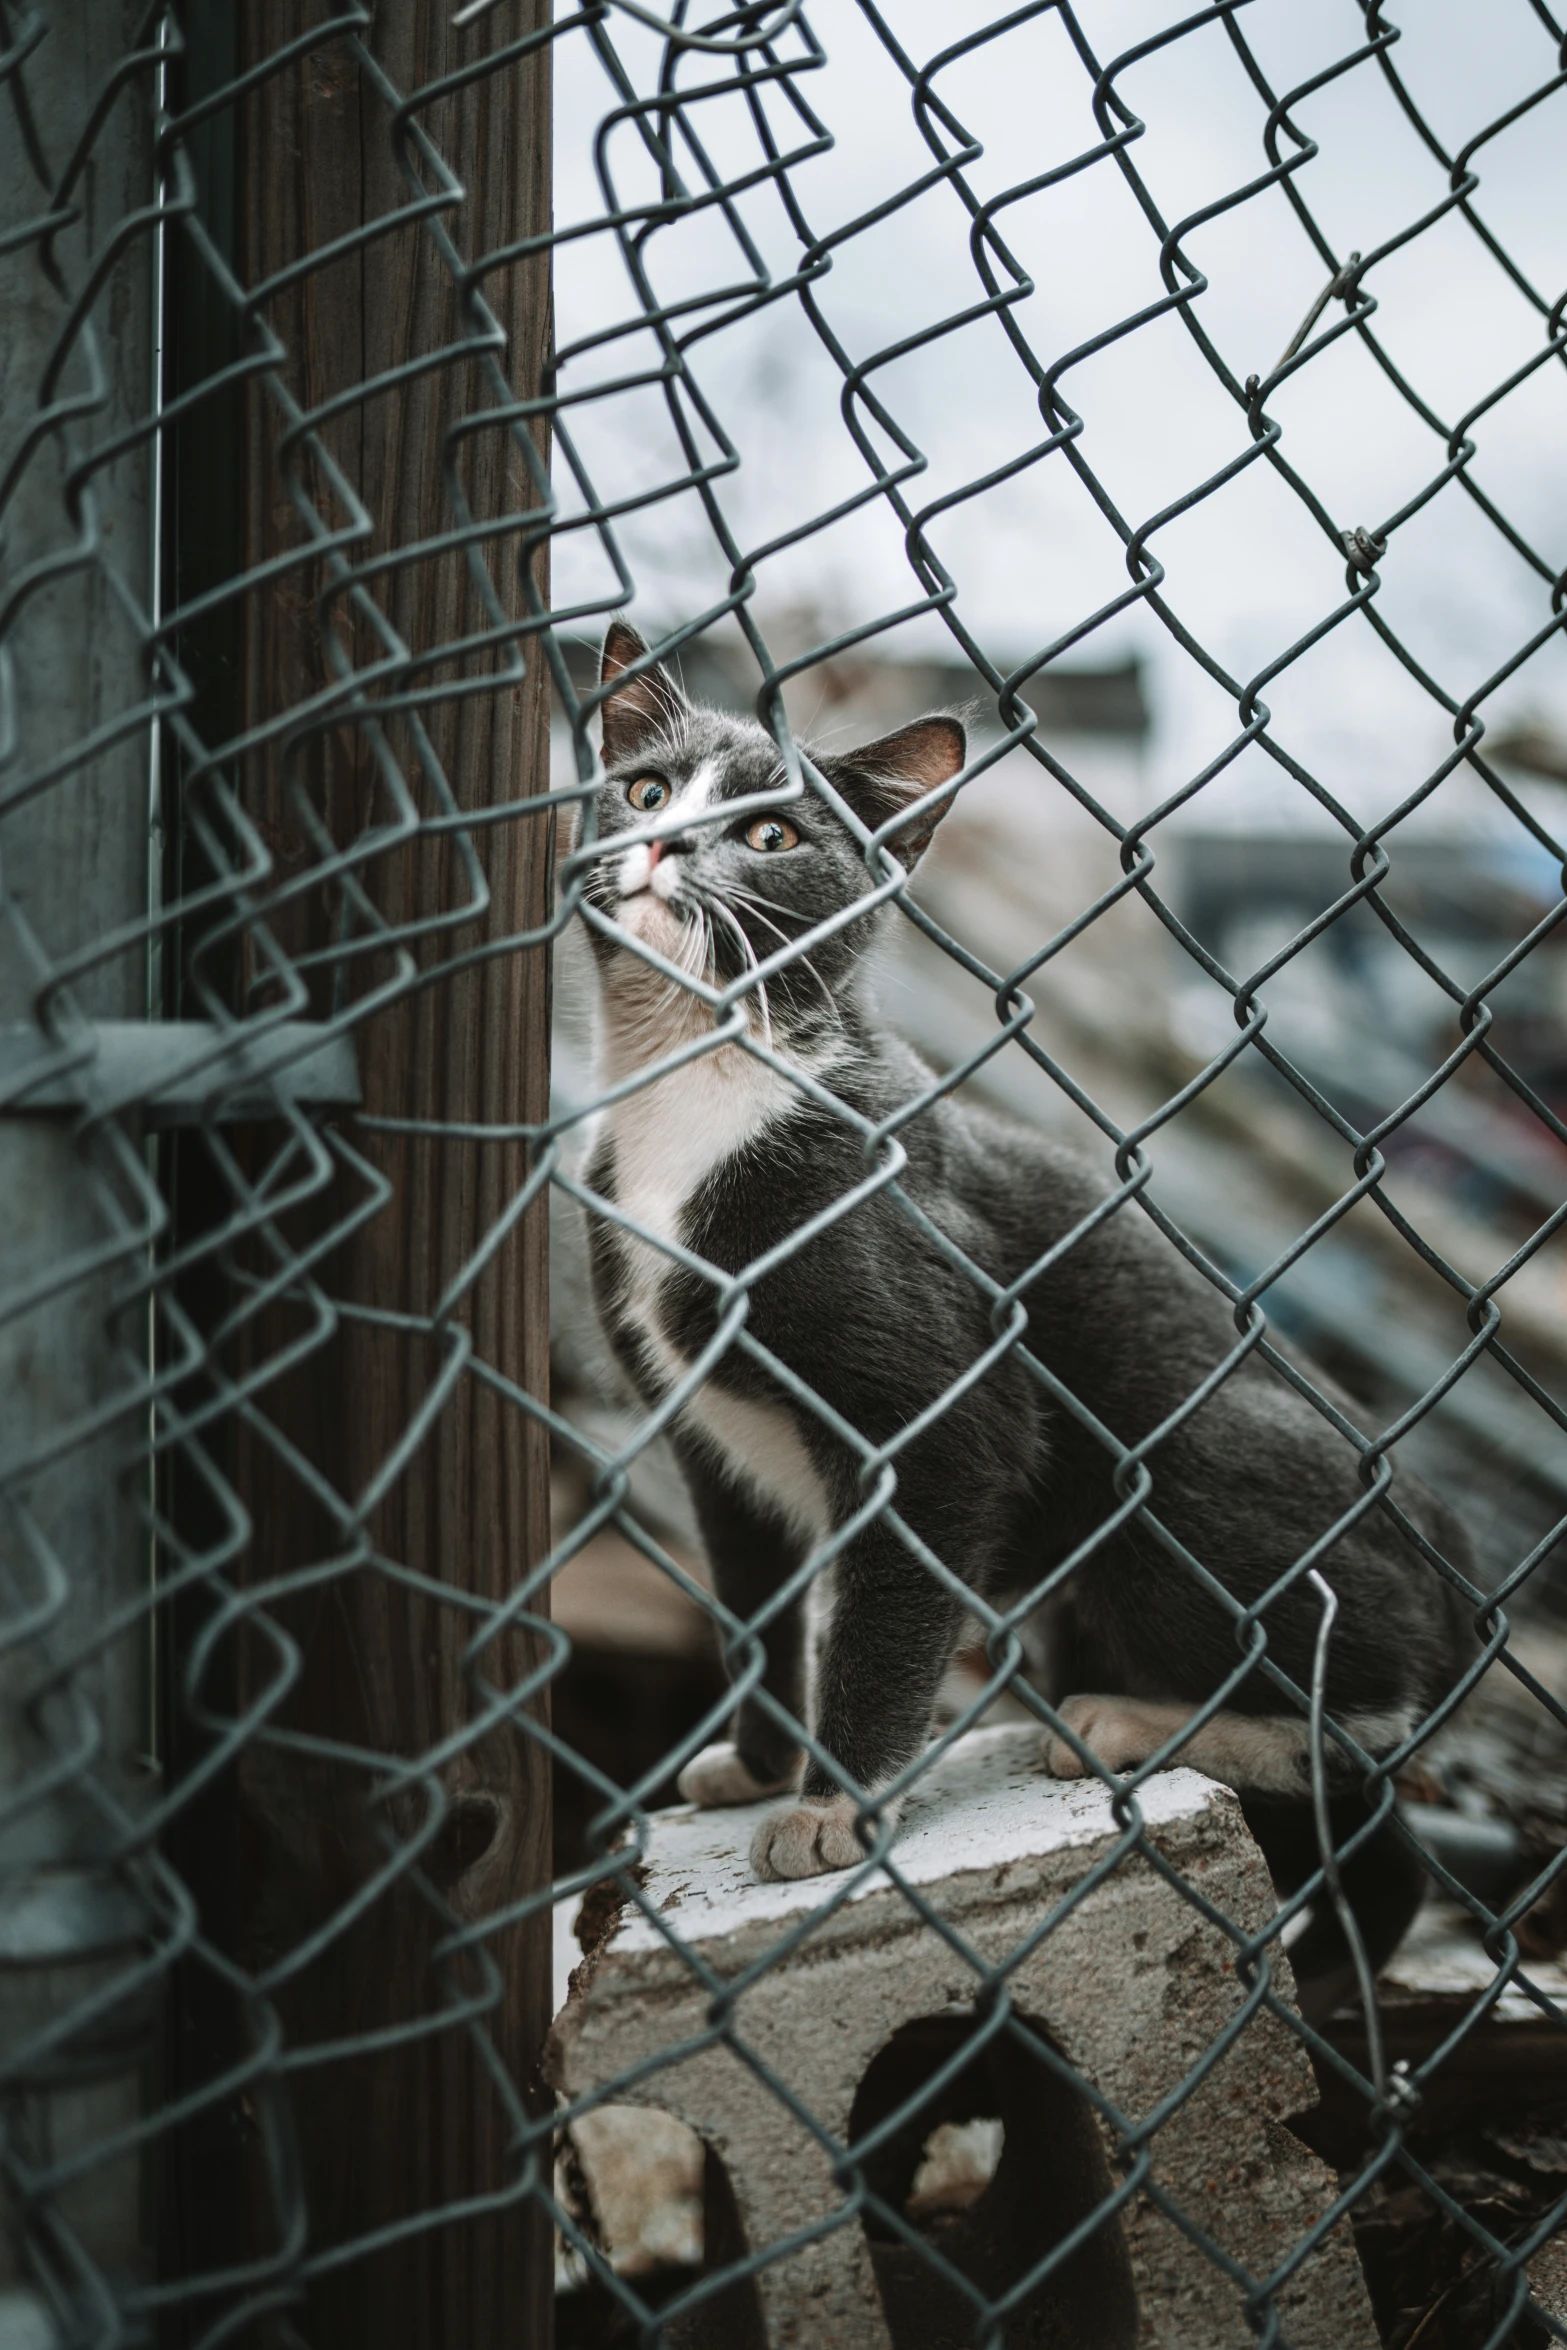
<point x="711" y="890"/>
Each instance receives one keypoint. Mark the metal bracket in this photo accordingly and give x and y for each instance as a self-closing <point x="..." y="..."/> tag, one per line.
<point x="59" y="1914"/>
<point x="179" y="1072"/>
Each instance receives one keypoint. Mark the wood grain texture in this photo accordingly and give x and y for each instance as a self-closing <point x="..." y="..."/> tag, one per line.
<point x="428" y="2123"/>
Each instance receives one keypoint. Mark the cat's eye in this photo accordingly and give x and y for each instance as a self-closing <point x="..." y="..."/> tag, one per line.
<point x="770" y="833"/>
<point x="648" y="793"/>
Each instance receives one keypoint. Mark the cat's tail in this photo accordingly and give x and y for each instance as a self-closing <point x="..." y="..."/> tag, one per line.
<point x="1383" y="1882"/>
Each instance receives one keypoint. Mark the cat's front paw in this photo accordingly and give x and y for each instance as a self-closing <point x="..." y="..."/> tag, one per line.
<point x="808" y="1839"/>
<point x="1120" y="1731"/>
<point x="718" y="1776"/>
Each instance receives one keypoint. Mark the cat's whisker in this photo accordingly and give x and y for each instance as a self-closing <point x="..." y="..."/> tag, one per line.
<point x="659" y="1005"/>
<point x="709" y="948"/>
<point x="758" y="897"/>
<point x="755" y="905"/>
<point x="713" y="903"/>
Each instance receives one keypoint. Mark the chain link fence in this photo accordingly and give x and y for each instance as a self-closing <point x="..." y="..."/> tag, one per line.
<point x="1177" y="399"/>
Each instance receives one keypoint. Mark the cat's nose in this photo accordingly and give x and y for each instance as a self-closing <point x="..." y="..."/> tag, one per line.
<point x="679" y="844"/>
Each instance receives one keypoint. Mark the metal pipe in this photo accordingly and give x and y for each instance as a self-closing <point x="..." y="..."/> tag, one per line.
<point x="75" y="579"/>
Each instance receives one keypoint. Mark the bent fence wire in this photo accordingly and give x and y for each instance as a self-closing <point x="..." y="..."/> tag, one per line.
<point x="307" y="528"/>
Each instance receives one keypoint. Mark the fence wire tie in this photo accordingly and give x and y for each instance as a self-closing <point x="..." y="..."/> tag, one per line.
<point x="1340" y="287"/>
<point x="1327" y="1850"/>
<point x="1364" y="551"/>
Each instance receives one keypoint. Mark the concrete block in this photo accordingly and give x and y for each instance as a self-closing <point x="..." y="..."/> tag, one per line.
<point x="1132" y="1986"/>
<point x="1548" y="2281"/>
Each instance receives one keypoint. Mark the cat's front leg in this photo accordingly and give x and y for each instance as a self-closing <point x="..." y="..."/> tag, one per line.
<point x="750" y="1555"/>
<point x="889" y="1636"/>
<point x="812" y="1837"/>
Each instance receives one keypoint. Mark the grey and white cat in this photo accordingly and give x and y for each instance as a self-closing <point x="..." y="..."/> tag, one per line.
<point x="725" y="1156"/>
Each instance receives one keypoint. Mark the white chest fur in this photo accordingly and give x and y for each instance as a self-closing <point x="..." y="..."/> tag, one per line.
<point x="667" y="1140"/>
<point x="673" y="1134"/>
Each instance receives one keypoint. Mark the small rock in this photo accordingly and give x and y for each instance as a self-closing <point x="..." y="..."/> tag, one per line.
<point x="958" y="2164"/>
<point x="643" y="2174"/>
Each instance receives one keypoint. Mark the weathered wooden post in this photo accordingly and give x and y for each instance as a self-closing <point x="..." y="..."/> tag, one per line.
<point x="415" y="2124"/>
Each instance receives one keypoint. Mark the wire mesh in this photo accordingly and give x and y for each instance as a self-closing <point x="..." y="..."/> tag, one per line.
<point x="309" y="526"/>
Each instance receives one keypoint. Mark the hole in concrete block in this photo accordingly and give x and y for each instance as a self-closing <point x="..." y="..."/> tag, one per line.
<point x="732" y="2318"/>
<point x="659" y="2204"/>
<point x="993" y="2170"/>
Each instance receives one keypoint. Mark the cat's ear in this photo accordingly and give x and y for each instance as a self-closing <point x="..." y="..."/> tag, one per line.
<point x="646" y="705"/>
<point x="881" y="777"/>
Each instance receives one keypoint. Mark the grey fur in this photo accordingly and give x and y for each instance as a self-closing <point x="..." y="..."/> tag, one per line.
<point x="1004" y="1484"/>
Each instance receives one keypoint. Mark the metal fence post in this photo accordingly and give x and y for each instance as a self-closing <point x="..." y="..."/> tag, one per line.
<point x="75" y="563"/>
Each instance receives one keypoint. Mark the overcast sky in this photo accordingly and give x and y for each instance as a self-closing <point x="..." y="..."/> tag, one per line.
<point x="1249" y="571"/>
